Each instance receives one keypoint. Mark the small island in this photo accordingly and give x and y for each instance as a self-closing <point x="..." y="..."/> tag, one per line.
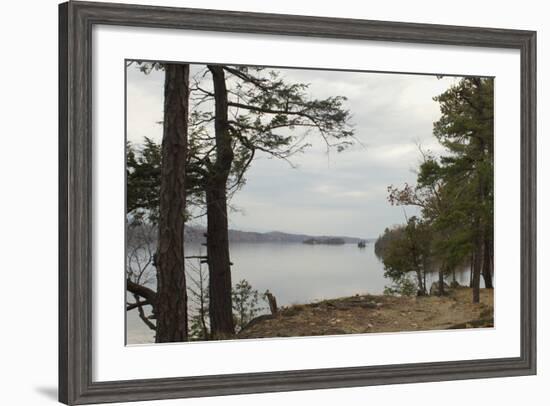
<point x="324" y="241"/>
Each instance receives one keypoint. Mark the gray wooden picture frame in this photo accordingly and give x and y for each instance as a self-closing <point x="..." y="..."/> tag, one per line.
<point x="76" y="20"/>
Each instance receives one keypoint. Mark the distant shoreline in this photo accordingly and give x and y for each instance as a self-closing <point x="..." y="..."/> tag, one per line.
<point x="196" y="234"/>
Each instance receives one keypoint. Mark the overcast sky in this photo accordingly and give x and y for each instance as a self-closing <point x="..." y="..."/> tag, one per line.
<point x="336" y="194"/>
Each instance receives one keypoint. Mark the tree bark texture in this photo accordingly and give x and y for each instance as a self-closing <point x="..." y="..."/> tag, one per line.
<point x="479" y="228"/>
<point x="441" y="283"/>
<point x="421" y="285"/>
<point x="171" y="305"/>
<point x="487" y="264"/>
<point x="478" y="257"/>
<point x="217" y="238"/>
<point x="476" y="270"/>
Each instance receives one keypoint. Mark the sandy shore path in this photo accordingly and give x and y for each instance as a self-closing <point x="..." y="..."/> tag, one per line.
<point x="375" y="314"/>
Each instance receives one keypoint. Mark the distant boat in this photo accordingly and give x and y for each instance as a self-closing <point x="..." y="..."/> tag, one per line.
<point x="362" y="244"/>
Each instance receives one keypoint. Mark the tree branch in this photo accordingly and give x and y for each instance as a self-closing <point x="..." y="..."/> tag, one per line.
<point x="143" y="317"/>
<point x="140" y="290"/>
<point x="132" y="306"/>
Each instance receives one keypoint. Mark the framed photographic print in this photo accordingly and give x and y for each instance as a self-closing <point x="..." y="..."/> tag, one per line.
<point x="259" y="202"/>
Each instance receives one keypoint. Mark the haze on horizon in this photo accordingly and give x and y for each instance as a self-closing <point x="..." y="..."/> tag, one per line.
<point x="336" y="194"/>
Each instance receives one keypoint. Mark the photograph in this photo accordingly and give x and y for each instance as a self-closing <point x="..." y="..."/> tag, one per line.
<point x="271" y="202"/>
<point x="262" y="203"/>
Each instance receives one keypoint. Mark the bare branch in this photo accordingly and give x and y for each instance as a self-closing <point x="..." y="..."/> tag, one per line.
<point x="140" y="290"/>
<point x="132" y="306"/>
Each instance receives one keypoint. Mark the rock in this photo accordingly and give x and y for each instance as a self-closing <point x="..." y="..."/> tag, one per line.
<point x="259" y="319"/>
<point x="292" y="311"/>
<point x="369" y="305"/>
<point x="434" y="289"/>
<point x="486" y="313"/>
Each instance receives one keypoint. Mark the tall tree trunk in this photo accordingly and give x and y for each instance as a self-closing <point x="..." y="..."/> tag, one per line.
<point x="477" y="270"/>
<point x="454" y="283"/>
<point x="487" y="262"/>
<point x="220" y="305"/>
<point x="487" y="272"/>
<point x="471" y="270"/>
<point x="441" y="282"/>
<point x="171" y="306"/>
<point x="217" y="238"/>
<point x="424" y="277"/>
<point x="421" y="287"/>
<point x="478" y="257"/>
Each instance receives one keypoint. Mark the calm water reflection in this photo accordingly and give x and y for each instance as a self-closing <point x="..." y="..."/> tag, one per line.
<point x="298" y="273"/>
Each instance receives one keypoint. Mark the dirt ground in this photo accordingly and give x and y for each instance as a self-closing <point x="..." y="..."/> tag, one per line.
<point x="376" y="314"/>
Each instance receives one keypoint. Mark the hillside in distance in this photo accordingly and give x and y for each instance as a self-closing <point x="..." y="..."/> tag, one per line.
<point x="196" y="234"/>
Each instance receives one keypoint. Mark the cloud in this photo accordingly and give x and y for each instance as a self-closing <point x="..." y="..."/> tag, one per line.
<point x="328" y="193"/>
<point x="144" y="103"/>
